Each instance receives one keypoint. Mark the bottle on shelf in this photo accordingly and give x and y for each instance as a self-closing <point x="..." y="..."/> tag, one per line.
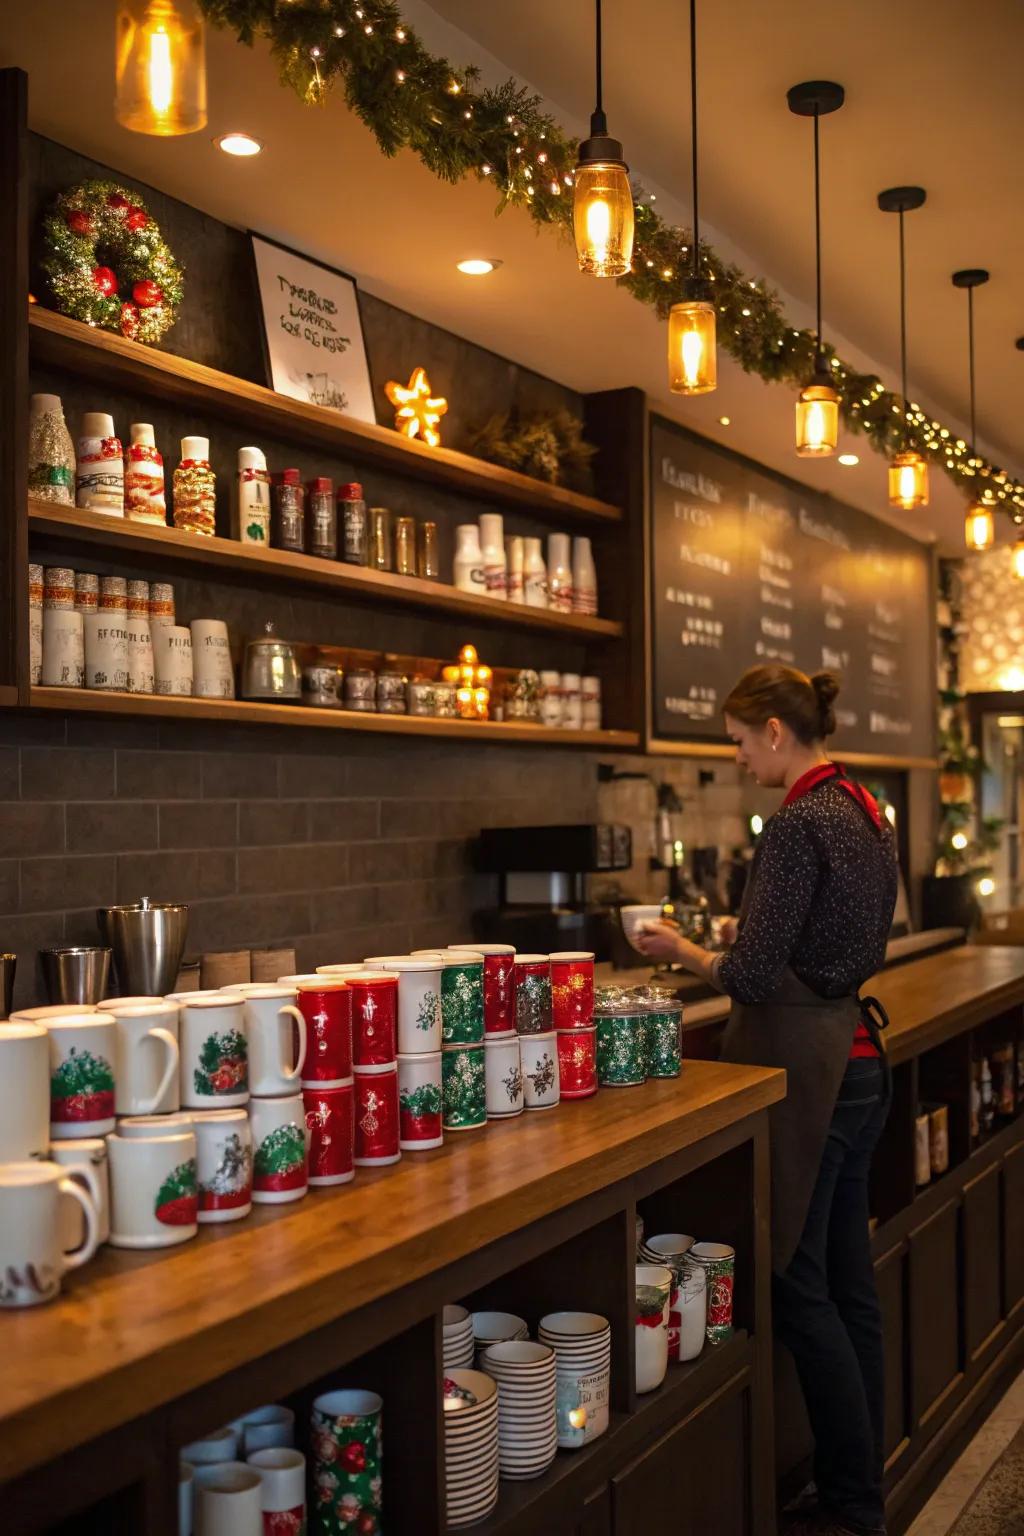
<point x="288" y="511"/>
<point x="352" y="523"/>
<point x="584" y="578"/>
<point x="51" y="453"/>
<point x="514" y="569"/>
<point x="194" y="488"/>
<point x="559" y="573"/>
<point x="144" y="497"/>
<point x="975" y="1101"/>
<point x="469" y="560"/>
<point x="99" y="468"/>
<point x="590" y="694"/>
<point x="492" y="546"/>
<point x="988" y="1103"/>
<point x="535" y="575"/>
<point x="252" y="502"/>
<point x="429" y="558"/>
<point x="321" y="518"/>
<point x="572" y="701"/>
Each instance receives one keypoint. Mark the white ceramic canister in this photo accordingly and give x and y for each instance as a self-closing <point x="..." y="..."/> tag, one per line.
<point x="590" y="700"/>
<point x="141" y="678"/>
<point x="469" y="560"/>
<point x="228" y="1500"/>
<point x="24" y="1091"/>
<point x="584" y="577"/>
<point x="419" y="999"/>
<point x="514" y="562"/>
<point x="223" y="1164"/>
<point x="106" y="651"/>
<point x="492" y="546"/>
<point x="213" y="676"/>
<point x="172" y="659"/>
<point x="503" y="1076"/>
<point x="153" y="1195"/>
<point x="420" y="1102"/>
<point x="99" y="469"/>
<point x="653" y="1287"/>
<point x="559" y="573"/>
<point x="252" y="498"/>
<point x="539" y="1055"/>
<point x="551" y="698"/>
<point x="63" y="653"/>
<point x="572" y="702"/>
<point x="282" y="1487"/>
<point x="535" y="574"/>
<point x="145" y="499"/>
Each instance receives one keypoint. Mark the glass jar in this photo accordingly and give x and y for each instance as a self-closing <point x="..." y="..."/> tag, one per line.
<point x="322" y="684"/>
<point x="405" y="546"/>
<point x="321" y="518"/>
<point x="429" y="558"/>
<point x="664" y="1030"/>
<point x="352" y="523"/>
<point x="382" y="553"/>
<point x="621" y="1038"/>
<point x="361" y="690"/>
<point x="390" y="693"/>
<point x="288" y="512"/>
<point x="421" y="696"/>
<point x="444" y="701"/>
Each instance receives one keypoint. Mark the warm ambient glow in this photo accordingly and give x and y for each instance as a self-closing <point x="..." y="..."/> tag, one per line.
<point x="1017" y="559"/>
<point x="724" y="421"/>
<point x="890" y="815"/>
<point x="848" y="460"/>
<point x="477" y="266"/>
<point x="817" y="421"/>
<point x="692" y="361"/>
<point x="959" y="841"/>
<point x="160" y="67"/>
<point x="986" y="885"/>
<point x="979" y="526"/>
<point x="417" y="412"/>
<point x="241" y="144"/>
<point x="1012" y="681"/>
<point x="908" y="481"/>
<point x="603" y="218"/>
<point x="756" y="825"/>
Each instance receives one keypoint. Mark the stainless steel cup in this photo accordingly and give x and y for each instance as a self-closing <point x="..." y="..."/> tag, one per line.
<point x="148" y="940"/>
<point x="8" y="965"/>
<point x="76" y="973"/>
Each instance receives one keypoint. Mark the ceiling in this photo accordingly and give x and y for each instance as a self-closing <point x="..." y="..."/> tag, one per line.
<point x="932" y="97"/>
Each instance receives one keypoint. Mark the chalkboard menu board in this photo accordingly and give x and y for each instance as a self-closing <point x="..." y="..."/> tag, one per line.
<point x="749" y="567"/>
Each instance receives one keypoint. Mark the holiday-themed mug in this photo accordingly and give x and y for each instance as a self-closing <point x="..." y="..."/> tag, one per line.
<point x="663" y="1028"/>
<point x="154" y="1201"/>
<point x="326" y="1007"/>
<point x="86" y="1162"/>
<point x="653" y="1288"/>
<point x="280" y="1166"/>
<point x="32" y="1260"/>
<point x="374" y="1019"/>
<point x="330" y="1132"/>
<point x="277" y="1050"/>
<point x="223" y="1164"/>
<point x="499" y="985"/>
<point x="24" y="1091"/>
<point x="376" y="1113"/>
<point x="135" y="1126"/>
<point x="503" y="1076"/>
<point x="147" y="1061"/>
<point x="572" y="989"/>
<point x="419" y="1102"/>
<point x="540" y="1070"/>
<point x="83" y="1050"/>
<point x="419" y="999"/>
<point x="621" y="1050"/>
<point x="462" y="998"/>
<point x="347" y="1448"/>
<point x="214" y="1052"/>
<point x="577" y="1062"/>
<point x="213" y="676"/>
<point x="718" y="1262"/>
<point x="463" y="1087"/>
<point x="533" y="994"/>
<point x="282" y="1489"/>
<point x="228" y="1500"/>
<point x="172" y="659"/>
<point x="63" y="660"/>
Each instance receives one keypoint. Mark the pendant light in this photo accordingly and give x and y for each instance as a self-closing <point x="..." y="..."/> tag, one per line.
<point x="692" y="359"/>
<point x="979" y="524"/>
<point x="908" y="472"/>
<point x="1017" y="559"/>
<point x="602" y="210"/>
<point x="161" y="67"/>
<point x="817" y="409"/>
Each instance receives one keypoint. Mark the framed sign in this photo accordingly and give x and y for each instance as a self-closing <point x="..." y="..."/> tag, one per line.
<point x="312" y="331"/>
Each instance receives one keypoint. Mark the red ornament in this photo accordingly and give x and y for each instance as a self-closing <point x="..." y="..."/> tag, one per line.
<point x="353" y="1456"/>
<point x="80" y="223"/>
<point x="105" y="279"/>
<point x="366" y="1524"/>
<point x="137" y="218"/>
<point x="147" y="294"/>
<point x="129" y="321"/>
<point x="115" y="200"/>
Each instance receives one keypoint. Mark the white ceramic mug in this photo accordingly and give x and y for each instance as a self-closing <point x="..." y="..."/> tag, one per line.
<point x="223" y="1164"/>
<point x="272" y="1426"/>
<point x="147" y="1059"/>
<point x="63" y="649"/>
<point x="83" y="1052"/>
<point x="540" y="1070"/>
<point x="31" y="1258"/>
<point x="106" y="651"/>
<point x="86" y="1162"/>
<point x="283" y="1484"/>
<point x="268" y="1012"/>
<point x="136" y="1126"/>
<point x="419" y="999"/>
<point x="172" y="659"/>
<point x="154" y="1201"/>
<point x="280" y="1143"/>
<point x="503" y="1077"/>
<point x="214" y="1052"/>
<point x="219" y="1446"/>
<point x="140" y="656"/>
<point x="24" y="1091"/>
<point x="213" y="676"/>
<point x="228" y="1500"/>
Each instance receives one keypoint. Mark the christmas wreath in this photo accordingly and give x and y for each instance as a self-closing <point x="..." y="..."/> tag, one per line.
<point x="108" y="263"/>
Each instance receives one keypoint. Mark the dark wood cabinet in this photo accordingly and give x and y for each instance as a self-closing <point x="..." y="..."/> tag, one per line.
<point x="983" y="1283"/>
<point x="1012" y="1195"/>
<point x="934" y="1317"/>
<point x="694" y="1480"/>
<point x="890" y="1276"/>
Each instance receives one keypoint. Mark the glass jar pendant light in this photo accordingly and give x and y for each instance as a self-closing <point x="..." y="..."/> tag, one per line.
<point x="1017" y="559"/>
<point x="817" y="408"/>
<point x="161" y="67"/>
<point x="979" y="524"/>
<point x="692" y="353"/>
<point x="602" y="207"/>
<point x="908" y="472"/>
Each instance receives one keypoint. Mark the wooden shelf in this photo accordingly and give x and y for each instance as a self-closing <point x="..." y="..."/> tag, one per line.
<point x="105" y="358"/>
<point x="242" y="712"/>
<point x="116" y="536"/>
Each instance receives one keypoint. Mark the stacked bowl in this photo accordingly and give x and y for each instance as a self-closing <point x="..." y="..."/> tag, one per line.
<point x="470" y="1446"/>
<point x="527" y="1427"/>
<point x="582" y="1342"/>
<point x="494" y="1328"/>
<point x="458" y="1337"/>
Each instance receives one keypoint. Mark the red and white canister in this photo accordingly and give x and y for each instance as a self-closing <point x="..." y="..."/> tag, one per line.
<point x="572" y="989"/>
<point x="499" y="985"/>
<point x="326" y="1007"/>
<point x="577" y="1062"/>
<point x="419" y="1102"/>
<point x="377" y="1118"/>
<point x="330" y="1128"/>
<point x="374" y="1018"/>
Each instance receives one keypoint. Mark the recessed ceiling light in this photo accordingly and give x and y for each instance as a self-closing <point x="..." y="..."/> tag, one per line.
<point x="477" y="266"/>
<point x="848" y="460"/>
<point x="241" y="144"/>
<point x="724" y="421"/>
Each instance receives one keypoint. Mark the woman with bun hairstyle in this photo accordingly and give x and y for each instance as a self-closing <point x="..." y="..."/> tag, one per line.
<point x="813" y="928"/>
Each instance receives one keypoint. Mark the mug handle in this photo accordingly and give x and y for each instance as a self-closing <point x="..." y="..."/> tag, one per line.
<point x="80" y="1256"/>
<point x="170" y="1072"/>
<point x="295" y="1071"/>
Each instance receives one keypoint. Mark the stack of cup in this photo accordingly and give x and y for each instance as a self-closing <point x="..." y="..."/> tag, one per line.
<point x="527" y="1422"/>
<point x="470" y="1446"/>
<point x="220" y="1492"/>
<point x="215" y="1083"/>
<point x="718" y="1261"/>
<point x="572" y="1008"/>
<point x="538" y="1045"/>
<point x="663" y="1030"/>
<point x="496" y="1328"/>
<point x="418" y="979"/>
<point x="457" y="1336"/>
<point x="503" y="1075"/>
<point x="463" y="1073"/>
<point x="688" y="1293"/>
<point x="277" y="1039"/>
<point x="328" y="1094"/>
<point x="582" y="1342"/>
<point x="375" y="1065"/>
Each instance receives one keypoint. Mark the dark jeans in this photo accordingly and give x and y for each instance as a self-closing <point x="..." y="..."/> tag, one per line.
<point x="827" y="1312"/>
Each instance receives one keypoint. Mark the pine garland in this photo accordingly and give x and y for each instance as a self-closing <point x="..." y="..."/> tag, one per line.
<point x="412" y="99"/>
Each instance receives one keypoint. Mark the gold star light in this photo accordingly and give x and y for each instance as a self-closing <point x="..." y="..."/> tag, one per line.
<point x="417" y="411"/>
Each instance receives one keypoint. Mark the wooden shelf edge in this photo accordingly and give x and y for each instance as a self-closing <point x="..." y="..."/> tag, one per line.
<point x="659" y="747"/>
<point x="118" y="535"/>
<point x="8" y="697"/>
<point x="58" y="340"/>
<point x="246" y="712"/>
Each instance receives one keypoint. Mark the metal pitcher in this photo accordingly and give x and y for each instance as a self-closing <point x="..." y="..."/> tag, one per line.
<point x="148" y="940"/>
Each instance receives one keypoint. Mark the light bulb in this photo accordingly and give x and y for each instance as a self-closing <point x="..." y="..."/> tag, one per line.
<point x="817" y="419"/>
<point x="908" y="481"/>
<point x="241" y="145"/>
<point x="603" y="218"/>
<point x="756" y="825"/>
<point x="1017" y="559"/>
<point x="160" y="67"/>
<point x="979" y="527"/>
<point x="986" y="885"/>
<point x="959" y="841"/>
<point x="692" y="360"/>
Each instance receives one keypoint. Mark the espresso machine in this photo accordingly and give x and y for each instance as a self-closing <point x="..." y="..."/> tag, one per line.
<point x="542" y="884"/>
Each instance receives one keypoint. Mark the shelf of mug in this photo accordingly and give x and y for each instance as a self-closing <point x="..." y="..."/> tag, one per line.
<point x="72" y="528"/>
<point x="524" y="1506"/>
<point x="105" y="358"/>
<point x="245" y="712"/>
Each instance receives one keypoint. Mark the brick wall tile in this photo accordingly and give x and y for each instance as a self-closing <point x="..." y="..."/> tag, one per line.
<point x="108" y="828"/>
<point x="24" y="937"/>
<point x="33" y="730"/>
<point x="256" y="921"/>
<point x="77" y="773"/>
<point x="312" y="778"/>
<point x="10" y="761"/>
<point x="32" y="827"/>
<point x="199" y="824"/>
<point x="158" y="775"/>
<point x="54" y="885"/>
<point x="306" y="867"/>
<point x="238" y="776"/>
<point x="9" y="885"/>
<point x="264" y="823"/>
<point x="347" y="821"/>
<point x="356" y="906"/>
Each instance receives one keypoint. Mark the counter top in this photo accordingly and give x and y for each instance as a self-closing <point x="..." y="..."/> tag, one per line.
<point x="134" y="1331"/>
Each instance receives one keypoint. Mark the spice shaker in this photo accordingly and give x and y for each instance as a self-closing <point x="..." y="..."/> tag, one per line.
<point x="352" y="521"/>
<point x="321" y="518"/>
<point x="381" y="554"/>
<point x="429" y="554"/>
<point x="405" y="546"/>
<point x="361" y="689"/>
<point x="288" y="521"/>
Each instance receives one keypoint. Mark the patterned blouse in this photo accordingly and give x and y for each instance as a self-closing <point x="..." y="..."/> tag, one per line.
<point x="823" y="891"/>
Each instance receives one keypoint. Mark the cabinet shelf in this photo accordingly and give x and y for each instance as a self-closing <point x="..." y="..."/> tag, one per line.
<point x="243" y="712"/>
<point x="103" y="357"/>
<point x="171" y="548"/>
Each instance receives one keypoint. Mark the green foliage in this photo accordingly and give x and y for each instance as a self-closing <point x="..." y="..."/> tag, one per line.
<point x="543" y="444"/>
<point x="282" y="1149"/>
<point x="81" y="1072"/>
